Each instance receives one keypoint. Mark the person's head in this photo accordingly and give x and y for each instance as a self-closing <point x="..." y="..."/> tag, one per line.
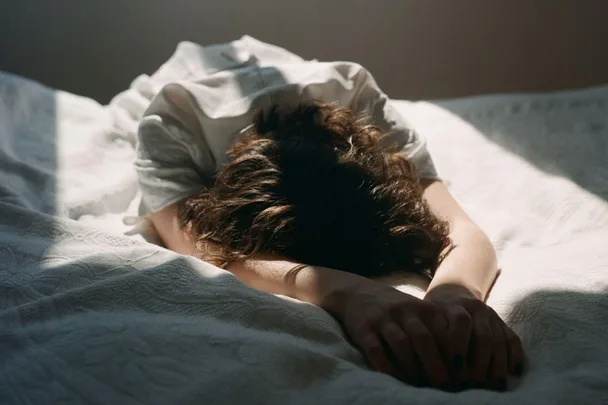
<point x="312" y="184"/>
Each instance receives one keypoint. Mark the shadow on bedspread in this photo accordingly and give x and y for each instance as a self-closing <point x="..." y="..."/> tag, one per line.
<point x="565" y="334"/>
<point x="61" y="154"/>
<point x="28" y="144"/>
<point x="102" y="319"/>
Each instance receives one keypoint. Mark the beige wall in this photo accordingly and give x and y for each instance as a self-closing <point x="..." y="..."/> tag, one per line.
<point x="415" y="48"/>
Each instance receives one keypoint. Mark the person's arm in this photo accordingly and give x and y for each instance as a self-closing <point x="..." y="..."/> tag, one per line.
<point x="166" y="222"/>
<point x="472" y="261"/>
<point x="373" y="315"/>
<point x="482" y="348"/>
<point x="271" y="274"/>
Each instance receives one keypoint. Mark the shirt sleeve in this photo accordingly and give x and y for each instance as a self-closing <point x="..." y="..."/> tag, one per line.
<point x="370" y="100"/>
<point x="166" y="153"/>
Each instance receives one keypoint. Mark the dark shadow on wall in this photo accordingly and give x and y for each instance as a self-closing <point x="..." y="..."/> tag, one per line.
<point x="415" y="49"/>
<point x="562" y="135"/>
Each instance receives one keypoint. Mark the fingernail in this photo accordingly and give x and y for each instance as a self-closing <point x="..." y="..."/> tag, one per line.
<point x="518" y="369"/>
<point x="501" y="384"/>
<point x="396" y="376"/>
<point x="458" y="362"/>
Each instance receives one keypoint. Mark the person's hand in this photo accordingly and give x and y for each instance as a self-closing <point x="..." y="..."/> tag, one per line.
<point x="482" y="348"/>
<point x="399" y="334"/>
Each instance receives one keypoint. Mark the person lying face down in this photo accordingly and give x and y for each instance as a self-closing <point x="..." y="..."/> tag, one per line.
<point x="312" y="201"/>
<point x="313" y="184"/>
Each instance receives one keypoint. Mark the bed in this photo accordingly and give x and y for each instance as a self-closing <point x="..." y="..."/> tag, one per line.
<point x="91" y="312"/>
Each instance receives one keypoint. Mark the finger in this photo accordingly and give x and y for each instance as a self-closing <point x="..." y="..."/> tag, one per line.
<point x="403" y="352"/>
<point x="437" y="324"/>
<point x="499" y="368"/>
<point x="480" y="351"/>
<point x="459" y="331"/>
<point x="516" y="351"/>
<point x="417" y="377"/>
<point x="426" y="349"/>
<point x="372" y="348"/>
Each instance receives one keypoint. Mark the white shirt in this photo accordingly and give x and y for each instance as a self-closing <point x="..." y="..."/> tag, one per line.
<point x="189" y="126"/>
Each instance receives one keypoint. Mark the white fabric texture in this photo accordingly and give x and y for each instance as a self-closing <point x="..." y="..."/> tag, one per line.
<point x="88" y="315"/>
<point x="192" y="122"/>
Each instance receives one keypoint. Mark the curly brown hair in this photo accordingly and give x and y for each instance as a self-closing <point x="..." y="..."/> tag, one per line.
<point x="314" y="184"/>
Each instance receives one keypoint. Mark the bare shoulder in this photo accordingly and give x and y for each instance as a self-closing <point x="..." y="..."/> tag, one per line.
<point x="167" y="224"/>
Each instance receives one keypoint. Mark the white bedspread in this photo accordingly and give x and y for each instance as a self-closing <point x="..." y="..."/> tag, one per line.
<point x="88" y="315"/>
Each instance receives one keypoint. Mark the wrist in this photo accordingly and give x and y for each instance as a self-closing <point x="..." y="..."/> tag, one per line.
<point x="334" y="301"/>
<point x="328" y="288"/>
<point x="477" y="283"/>
<point x="472" y="263"/>
<point x="455" y="289"/>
